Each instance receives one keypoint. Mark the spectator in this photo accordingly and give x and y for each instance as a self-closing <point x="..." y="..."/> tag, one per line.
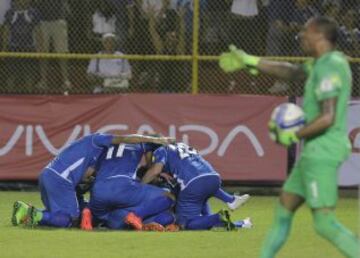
<point x="277" y="41"/>
<point x="188" y="5"/>
<point x="54" y="29"/>
<point x="349" y="42"/>
<point x="216" y="27"/>
<point x="141" y="43"/>
<point x="331" y="8"/>
<point x="169" y="39"/>
<point x="303" y="11"/>
<point x="155" y="7"/>
<point x="349" y="33"/>
<point x="244" y="17"/>
<point x="109" y="75"/>
<point x="351" y="4"/>
<point x="278" y="17"/>
<point x="103" y="20"/>
<point x="124" y="10"/>
<point x="4" y="7"/>
<point x="21" y="34"/>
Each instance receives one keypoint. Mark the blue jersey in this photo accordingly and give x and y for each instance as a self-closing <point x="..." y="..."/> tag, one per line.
<point x="72" y="163"/>
<point x="183" y="163"/>
<point x="122" y="160"/>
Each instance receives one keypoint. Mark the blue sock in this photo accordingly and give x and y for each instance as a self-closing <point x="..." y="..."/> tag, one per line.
<point x="57" y="219"/>
<point x="224" y="196"/>
<point x="206" y="210"/>
<point x="155" y="206"/>
<point x="164" y="218"/>
<point x="203" y="222"/>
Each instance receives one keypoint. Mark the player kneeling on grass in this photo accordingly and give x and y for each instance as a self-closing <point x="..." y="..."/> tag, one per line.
<point x="60" y="177"/>
<point x="118" y="200"/>
<point x="167" y="182"/>
<point x="326" y="145"/>
<point x="198" y="182"/>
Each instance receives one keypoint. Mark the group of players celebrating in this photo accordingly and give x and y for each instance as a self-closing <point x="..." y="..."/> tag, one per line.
<point x="118" y="200"/>
<point x="168" y="193"/>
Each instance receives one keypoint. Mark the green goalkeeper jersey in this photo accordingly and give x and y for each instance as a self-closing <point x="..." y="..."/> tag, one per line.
<point x="328" y="76"/>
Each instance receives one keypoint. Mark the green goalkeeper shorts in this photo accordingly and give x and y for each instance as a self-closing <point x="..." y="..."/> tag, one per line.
<point x="315" y="180"/>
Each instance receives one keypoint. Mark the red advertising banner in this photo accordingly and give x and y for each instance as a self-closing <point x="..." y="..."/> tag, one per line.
<point x="349" y="173"/>
<point x="229" y="131"/>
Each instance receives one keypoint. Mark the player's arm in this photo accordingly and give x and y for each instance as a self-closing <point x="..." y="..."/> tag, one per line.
<point x="322" y="122"/>
<point x="281" y="70"/>
<point x="327" y="91"/>
<point x="237" y="59"/>
<point x="314" y="128"/>
<point x="153" y="172"/>
<point x="138" y="138"/>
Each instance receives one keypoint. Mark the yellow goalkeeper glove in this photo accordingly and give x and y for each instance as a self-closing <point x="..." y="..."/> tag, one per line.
<point x="238" y="59"/>
<point x="282" y="137"/>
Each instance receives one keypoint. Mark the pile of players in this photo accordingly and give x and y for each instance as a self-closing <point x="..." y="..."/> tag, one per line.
<point x="139" y="182"/>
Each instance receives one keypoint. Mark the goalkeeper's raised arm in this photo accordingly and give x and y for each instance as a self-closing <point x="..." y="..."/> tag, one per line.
<point x="237" y="59"/>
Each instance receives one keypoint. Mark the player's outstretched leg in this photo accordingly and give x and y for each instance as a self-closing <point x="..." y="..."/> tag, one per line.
<point x="45" y="218"/>
<point x="327" y="226"/>
<point x="20" y="213"/>
<point x="232" y="201"/>
<point x="209" y="221"/>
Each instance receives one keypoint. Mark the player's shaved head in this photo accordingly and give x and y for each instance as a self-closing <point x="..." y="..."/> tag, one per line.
<point x="326" y="26"/>
<point x="319" y="35"/>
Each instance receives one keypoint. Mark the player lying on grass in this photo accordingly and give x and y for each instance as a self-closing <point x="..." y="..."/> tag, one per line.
<point x="326" y="146"/>
<point x="60" y="177"/>
<point x="117" y="199"/>
<point x="198" y="182"/>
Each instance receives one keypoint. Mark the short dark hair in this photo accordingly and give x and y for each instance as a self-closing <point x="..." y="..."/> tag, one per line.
<point x="327" y="26"/>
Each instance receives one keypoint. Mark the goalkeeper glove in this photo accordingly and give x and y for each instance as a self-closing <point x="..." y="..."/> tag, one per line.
<point x="238" y="59"/>
<point x="248" y="60"/>
<point x="230" y="63"/>
<point x="285" y="138"/>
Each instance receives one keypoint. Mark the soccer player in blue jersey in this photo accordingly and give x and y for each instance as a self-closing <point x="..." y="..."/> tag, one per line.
<point x="60" y="177"/>
<point x="117" y="198"/>
<point x="198" y="182"/>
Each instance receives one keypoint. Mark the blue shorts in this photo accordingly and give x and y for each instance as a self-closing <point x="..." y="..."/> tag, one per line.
<point x="120" y="193"/>
<point x="58" y="194"/>
<point x="191" y="200"/>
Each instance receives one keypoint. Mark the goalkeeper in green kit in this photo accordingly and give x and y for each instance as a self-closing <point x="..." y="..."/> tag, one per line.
<point x="326" y="146"/>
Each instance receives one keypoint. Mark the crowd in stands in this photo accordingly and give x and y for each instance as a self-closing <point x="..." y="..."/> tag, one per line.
<point x="162" y="27"/>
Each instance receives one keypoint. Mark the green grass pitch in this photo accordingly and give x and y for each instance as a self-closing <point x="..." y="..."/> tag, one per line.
<point x="37" y="243"/>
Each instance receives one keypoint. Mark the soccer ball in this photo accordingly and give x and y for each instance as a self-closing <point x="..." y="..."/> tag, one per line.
<point x="286" y="117"/>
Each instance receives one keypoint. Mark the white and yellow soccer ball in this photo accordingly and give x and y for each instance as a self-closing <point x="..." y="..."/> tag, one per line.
<point x="286" y="117"/>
